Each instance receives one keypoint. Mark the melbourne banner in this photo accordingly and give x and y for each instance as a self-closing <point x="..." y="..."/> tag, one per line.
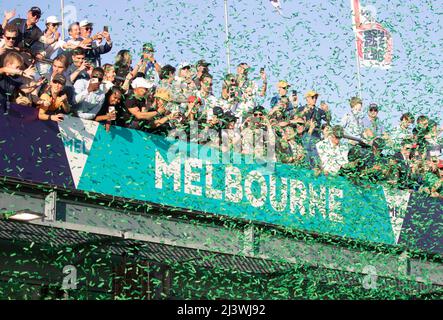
<point x="374" y="42"/>
<point x="81" y="154"/>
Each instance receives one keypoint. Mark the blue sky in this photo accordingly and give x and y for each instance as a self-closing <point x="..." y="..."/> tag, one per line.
<point x="313" y="49"/>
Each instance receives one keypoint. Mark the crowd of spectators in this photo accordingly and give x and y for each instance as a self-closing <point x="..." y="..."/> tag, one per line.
<point x="65" y="76"/>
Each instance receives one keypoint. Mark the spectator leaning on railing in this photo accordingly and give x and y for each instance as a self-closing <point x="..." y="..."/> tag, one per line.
<point x="112" y="106"/>
<point x="54" y="102"/>
<point x="12" y="77"/>
<point x="136" y="115"/>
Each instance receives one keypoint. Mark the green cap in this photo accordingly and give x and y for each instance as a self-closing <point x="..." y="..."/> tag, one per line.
<point x="147" y="46"/>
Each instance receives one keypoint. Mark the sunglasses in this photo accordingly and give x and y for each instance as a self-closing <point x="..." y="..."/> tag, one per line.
<point x="98" y="78"/>
<point x="10" y="38"/>
<point x="58" y="82"/>
<point x="301" y="124"/>
<point x="373" y="110"/>
<point x="53" y="24"/>
<point x="36" y="14"/>
<point x="88" y="28"/>
<point x="258" y="114"/>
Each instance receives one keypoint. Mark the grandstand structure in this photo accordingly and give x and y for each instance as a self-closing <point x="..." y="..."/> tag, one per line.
<point x="87" y="243"/>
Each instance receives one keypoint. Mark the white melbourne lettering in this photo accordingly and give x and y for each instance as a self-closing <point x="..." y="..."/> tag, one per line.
<point x="198" y="177"/>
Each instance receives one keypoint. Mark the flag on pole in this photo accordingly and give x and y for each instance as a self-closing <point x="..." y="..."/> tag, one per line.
<point x="277" y="6"/>
<point x="374" y="42"/>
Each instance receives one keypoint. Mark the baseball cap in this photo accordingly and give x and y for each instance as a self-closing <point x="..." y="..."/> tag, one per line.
<point x="148" y="46"/>
<point x="311" y="93"/>
<point x="283" y="84"/>
<point x="373" y="106"/>
<point x="59" y="78"/>
<point x="203" y="63"/>
<point x="183" y="65"/>
<point x="141" y="83"/>
<point x="85" y="23"/>
<point x="191" y="99"/>
<point x="163" y="94"/>
<point x="53" y="20"/>
<point x="36" y="10"/>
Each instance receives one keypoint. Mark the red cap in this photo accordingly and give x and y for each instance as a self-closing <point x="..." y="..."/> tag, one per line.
<point x="440" y="164"/>
<point x="193" y="98"/>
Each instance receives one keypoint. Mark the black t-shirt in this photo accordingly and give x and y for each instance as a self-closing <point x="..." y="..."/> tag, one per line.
<point x="26" y="37"/>
<point x="8" y="86"/>
<point x="129" y="120"/>
<point x="119" y="109"/>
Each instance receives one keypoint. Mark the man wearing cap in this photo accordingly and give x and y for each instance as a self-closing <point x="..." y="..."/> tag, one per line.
<point x="315" y="116"/>
<point x="333" y="152"/>
<point x="304" y="139"/>
<point x="54" y="103"/>
<point x="137" y="116"/>
<point x="372" y="121"/>
<point x="28" y="31"/>
<point x="89" y="95"/>
<point x="95" y="50"/>
<point x="282" y="87"/>
<point x="202" y="68"/>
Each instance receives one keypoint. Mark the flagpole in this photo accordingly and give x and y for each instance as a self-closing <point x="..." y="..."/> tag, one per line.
<point x="228" y="53"/>
<point x="355" y="5"/>
<point x="62" y="6"/>
<point x="358" y="67"/>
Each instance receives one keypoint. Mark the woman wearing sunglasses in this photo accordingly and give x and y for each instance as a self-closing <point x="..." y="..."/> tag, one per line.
<point x="49" y="43"/>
